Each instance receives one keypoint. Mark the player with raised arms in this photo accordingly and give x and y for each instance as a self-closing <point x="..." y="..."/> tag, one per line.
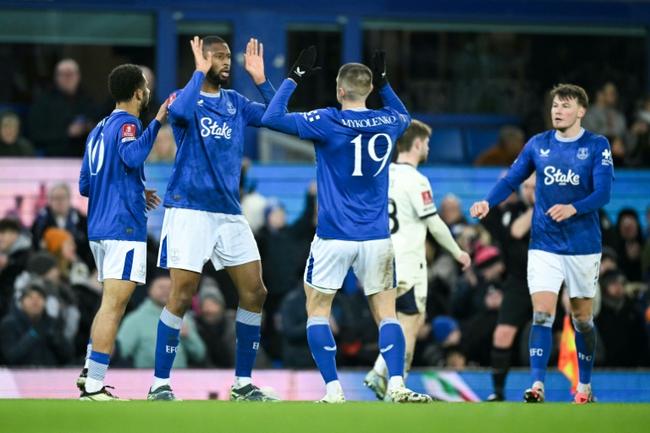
<point x="353" y="147"/>
<point x="203" y="218"/>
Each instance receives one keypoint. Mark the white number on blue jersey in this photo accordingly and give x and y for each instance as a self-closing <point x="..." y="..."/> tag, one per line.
<point x="372" y="152"/>
<point x="96" y="154"/>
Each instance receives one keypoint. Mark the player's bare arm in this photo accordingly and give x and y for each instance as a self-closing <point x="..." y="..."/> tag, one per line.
<point x="254" y="61"/>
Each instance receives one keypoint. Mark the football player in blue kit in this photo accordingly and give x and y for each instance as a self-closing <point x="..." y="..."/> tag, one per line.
<point x="574" y="173"/>
<point x="112" y="177"/>
<point x="354" y="147"/>
<point x="203" y="218"/>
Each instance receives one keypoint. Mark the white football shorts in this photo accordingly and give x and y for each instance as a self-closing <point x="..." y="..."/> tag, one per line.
<point x="547" y="271"/>
<point x="411" y="288"/>
<point x="120" y="260"/>
<point x="191" y="237"/>
<point x="373" y="262"/>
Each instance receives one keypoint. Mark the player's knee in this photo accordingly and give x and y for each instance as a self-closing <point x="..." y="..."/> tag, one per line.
<point x="255" y="295"/>
<point x="542" y="318"/>
<point x="583" y="323"/>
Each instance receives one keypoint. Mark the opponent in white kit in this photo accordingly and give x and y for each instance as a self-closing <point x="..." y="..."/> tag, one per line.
<point x="412" y="211"/>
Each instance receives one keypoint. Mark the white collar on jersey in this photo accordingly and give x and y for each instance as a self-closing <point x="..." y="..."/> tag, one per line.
<point x="357" y="109"/>
<point x="569" y="139"/>
<point x="118" y="110"/>
<point x="211" y="95"/>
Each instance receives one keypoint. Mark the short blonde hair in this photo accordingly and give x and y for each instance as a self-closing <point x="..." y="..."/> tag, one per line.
<point x="356" y="80"/>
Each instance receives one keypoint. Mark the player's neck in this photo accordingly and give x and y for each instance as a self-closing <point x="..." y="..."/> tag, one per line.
<point x="408" y="158"/>
<point x="571" y="132"/>
<point x="353" y="105"/>
<point x="210" y="88"/>
<point x="131" y="107"/>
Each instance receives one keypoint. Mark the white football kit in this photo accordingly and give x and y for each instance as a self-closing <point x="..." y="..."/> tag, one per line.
<point x="410" y="203"/>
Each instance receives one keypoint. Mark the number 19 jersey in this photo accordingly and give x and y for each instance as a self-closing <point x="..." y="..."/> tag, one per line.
<point x="353" y="151"/>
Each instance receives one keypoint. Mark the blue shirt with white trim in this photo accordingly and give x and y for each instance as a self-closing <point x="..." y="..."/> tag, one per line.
<point x="209" y="132"/>
<point x="354" y="149"/>
<point x="577" y="171"/>
<point x="112" y="177"/>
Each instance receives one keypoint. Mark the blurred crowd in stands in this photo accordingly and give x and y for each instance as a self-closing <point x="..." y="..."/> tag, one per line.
<point x="49" y="291"/>
<point x="60" y="118"/>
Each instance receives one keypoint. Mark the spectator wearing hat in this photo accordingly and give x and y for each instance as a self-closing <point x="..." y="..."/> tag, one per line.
<point x="621" y="324"/>
<point x="216" y="326"/>
<point x="29" y="337"/>
<point x="469" y="298"/>
<point x="136" y="338"/>
<point x="15" y="248"/>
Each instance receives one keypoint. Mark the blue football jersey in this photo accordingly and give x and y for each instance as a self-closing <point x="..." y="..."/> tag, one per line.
<point x="353" y="152"/>
<point x="209" y="132"/>
<point x="112" y="177"/>
<point x="568" y="171"/>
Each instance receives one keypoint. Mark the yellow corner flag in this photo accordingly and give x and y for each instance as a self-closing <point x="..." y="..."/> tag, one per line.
<point x="568" y="359"/>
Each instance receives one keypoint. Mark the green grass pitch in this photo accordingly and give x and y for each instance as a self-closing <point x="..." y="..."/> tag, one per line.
<point x="69" y="416"/>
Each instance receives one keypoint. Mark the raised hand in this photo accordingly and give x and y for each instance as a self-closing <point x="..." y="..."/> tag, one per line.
<point x="480" y="209"/>
<point x="203" y="63"/>
<point x="379" y="77"/>
<point x="305" y="65"/>
<point x="254" y="60"/>
<point x="161" y="116"/>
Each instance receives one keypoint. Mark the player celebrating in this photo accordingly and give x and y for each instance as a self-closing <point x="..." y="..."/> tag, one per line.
<point x="411" y="212"/>
<point x="353" y="149"/>
<point x="574" y="172"/>
<point x="203" y="219"/>
<point x="112" y="177"/>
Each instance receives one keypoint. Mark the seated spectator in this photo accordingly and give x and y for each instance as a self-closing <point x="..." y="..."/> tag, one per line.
<point x="619" y="152"/>
<point x="469" y="299"/>
<point x="61" y="119"/>
<point x="505" y="151"/>
<point x="216" y="326"/>
<point x="443" y="348"/>
<point x="15" y="248"/>
<point x="452" y="214"/>
<point x="164" y="147"/>
<point x="60" y="213"/>
<point x="621" y="324"/>
<point x="136" y="337"/>
<point x="604" y="117"/>
<point x="630" y="244"/>
<point x="11" y="142"/>
<point x="29" y="337"/>
<point x="293" y="329"/>
<point x="60" y="300"/>
<point x="638" y="138"/>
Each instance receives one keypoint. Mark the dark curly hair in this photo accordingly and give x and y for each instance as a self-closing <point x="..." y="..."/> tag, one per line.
<point x="123" y="81"/>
